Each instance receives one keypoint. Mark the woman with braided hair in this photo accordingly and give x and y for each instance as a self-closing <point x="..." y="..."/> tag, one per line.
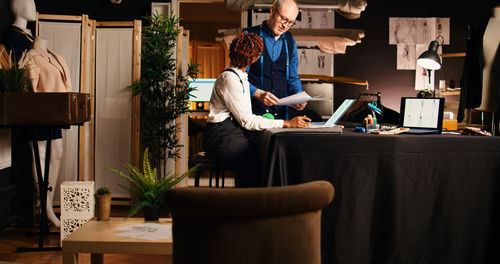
<point x="230" y="124"/>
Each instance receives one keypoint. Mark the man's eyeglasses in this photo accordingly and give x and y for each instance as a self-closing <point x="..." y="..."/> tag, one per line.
<point x="285" y="21"/>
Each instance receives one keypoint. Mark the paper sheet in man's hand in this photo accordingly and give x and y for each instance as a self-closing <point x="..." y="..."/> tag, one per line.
<point x="297" y="98"/>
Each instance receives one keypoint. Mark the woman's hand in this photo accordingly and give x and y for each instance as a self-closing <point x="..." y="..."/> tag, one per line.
<point x="298" y="121"/>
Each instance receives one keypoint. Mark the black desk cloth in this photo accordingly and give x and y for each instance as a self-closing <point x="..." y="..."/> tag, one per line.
<point x="398" y="199"/>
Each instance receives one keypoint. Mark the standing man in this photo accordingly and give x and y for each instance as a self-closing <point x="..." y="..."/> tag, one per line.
<point x="275" y="74"/>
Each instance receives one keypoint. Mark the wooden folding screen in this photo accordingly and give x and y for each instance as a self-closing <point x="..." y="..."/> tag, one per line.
<point x="117" y="112"/>
<point x="75" y="39"/>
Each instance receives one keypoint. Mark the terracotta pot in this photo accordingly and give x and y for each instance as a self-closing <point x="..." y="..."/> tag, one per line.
<point x="103" y="207"/>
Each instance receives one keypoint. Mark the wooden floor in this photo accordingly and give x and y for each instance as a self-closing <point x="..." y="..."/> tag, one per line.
<point x="14" y="237"/>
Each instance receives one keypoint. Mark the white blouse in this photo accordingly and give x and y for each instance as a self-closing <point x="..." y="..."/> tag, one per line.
<point x="229" y="96"/>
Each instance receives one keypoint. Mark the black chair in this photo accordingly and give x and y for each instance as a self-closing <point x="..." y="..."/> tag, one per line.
<point x="208" y="163"/>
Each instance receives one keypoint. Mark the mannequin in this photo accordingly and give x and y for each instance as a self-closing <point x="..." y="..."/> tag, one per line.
<point x="19" y="38"/>
<point x="480" y="81"/>
<point x="48" y="72"/>
<point x="24" y="11"/>
<point x="491" y="41"/>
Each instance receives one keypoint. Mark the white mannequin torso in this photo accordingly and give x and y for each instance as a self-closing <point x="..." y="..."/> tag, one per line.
<point x="24" y="11"/>
<point x="491" y="41"/>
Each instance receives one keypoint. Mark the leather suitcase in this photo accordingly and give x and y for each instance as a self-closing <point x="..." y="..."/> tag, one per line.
<point x="56" y="109"/>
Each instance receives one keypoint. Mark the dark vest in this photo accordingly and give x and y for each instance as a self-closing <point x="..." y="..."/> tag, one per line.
<point x="274" y="75"/>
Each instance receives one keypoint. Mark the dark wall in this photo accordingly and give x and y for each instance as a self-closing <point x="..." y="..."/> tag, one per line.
<point x="204" y="20"/>
<point x="102" y="10"/>
<point x="375" y="60"/>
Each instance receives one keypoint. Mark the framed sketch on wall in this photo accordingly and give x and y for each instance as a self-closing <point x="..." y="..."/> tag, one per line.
<point x="161" y="8"/>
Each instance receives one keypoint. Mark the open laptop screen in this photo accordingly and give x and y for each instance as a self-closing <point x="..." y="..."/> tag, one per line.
<point x="339" y="112"/>
<point x="422" y="113"/>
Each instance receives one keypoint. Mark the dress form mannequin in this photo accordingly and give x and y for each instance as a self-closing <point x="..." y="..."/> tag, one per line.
<point x="40" y="46"/>
<point x="24" y="11"/>
<point x="491" y="41"/>
<point x="19" y="38"/>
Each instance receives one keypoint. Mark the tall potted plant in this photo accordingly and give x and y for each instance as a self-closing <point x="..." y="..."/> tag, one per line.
<point x="163" y="94"/>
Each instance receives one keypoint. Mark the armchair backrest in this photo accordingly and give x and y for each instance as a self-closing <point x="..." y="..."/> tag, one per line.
<point x="248" y="225"/>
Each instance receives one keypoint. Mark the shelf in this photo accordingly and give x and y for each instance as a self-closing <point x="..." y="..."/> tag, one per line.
<point x="352" y="34"/>
<point x="450" y="93"/>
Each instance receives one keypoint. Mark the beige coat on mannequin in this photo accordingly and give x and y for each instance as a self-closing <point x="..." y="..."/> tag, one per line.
<point x="47" y="71"/>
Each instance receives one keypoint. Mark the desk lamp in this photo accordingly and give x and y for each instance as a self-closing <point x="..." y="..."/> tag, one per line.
<point x="430" y="59"/>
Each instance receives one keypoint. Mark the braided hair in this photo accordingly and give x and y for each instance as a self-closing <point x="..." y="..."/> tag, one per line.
<point x="244" y="48"/>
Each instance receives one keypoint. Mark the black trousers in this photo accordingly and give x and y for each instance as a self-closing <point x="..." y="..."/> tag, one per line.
<point x="234" y="149"/>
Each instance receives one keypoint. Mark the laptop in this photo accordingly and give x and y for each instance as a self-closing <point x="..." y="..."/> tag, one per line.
<point x="332" y="121"/>
<point x="422" y="115"/>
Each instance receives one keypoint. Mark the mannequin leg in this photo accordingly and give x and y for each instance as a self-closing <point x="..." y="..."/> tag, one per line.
<point x="55" y="164"/>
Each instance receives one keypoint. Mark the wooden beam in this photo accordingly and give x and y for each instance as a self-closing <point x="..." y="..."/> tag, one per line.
<point x="92" y="103"/>
<point x="115" y="24"/>
<point x="59" y="17"/>
<point x="453" y="55"/>
<point x="82" y="139"/>
<point x="338" y="79"/>
<point x="136" y="103"/>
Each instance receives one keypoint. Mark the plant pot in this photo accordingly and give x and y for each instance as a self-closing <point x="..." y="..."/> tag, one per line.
<point x="103" y="207"/>
<point x="151" y="213"/>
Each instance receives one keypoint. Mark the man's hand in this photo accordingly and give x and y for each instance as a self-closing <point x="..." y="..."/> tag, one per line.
<point x="299" y="107"/>
<point x="266" y="98"/>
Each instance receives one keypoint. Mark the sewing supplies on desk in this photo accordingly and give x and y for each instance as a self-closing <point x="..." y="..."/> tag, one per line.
<point x="370" y="123"/>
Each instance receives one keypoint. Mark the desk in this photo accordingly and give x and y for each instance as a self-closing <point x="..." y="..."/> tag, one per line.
<point x="98" y="238"/>
<point x="398" y="199"/>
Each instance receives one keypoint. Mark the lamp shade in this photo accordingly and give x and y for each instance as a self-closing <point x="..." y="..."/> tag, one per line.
<point x="430" y="59"/>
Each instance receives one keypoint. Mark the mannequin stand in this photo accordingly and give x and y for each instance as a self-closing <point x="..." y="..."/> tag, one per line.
<point x="43" y="184"/>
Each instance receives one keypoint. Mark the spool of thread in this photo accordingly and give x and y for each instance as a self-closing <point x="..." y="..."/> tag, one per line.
<point x="442" y="84"/>
<point x="370" y="119"/>
<point x="268" y="116"/>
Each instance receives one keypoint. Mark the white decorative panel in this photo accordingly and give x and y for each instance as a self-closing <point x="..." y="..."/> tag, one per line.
<point x="77" y="205"/>
<point x="70" y="224"/>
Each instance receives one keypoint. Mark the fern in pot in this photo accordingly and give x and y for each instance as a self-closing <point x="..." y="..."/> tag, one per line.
<point x="148" y="187"/>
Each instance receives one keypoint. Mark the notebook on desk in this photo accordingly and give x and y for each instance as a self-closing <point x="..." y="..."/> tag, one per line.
<point x="422" y="115"/>
<point x="332" y="121"/>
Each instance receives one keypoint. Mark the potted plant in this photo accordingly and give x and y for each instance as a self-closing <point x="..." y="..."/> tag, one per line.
<point x="103" y="204"/>
<point x="148" y="187"/>
<point x="163" y="89"/>
<point x="12" y="74"/>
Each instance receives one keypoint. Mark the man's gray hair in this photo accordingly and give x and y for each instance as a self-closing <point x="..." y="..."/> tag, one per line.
<point x="280" y="3"/>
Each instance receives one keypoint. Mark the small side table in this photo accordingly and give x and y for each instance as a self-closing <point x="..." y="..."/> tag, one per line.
<point x="99" y="237"/>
